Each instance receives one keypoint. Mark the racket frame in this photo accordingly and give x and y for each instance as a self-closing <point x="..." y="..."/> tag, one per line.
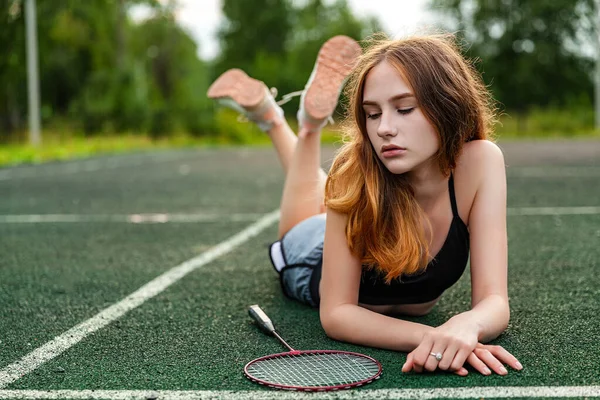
<point x="315" y="388"/>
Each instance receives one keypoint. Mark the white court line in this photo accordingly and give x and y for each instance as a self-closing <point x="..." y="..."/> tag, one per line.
<point x="71" y="337"/>
<point x="137" y="160"/>
<point x="235" y="217"/>
<point x="553" y="172"/>
<point x="149" y="218"/>
<point x="553" y="211"/>
<point x="376" y="394"/>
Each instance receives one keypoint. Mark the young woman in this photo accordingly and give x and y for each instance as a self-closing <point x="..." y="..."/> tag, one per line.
<point x="416" y="189"/>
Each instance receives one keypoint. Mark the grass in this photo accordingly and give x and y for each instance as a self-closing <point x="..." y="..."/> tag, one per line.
<point x="66" y="145"/>
<point x="196" y="335"/>
<point x="549" y="123"/>
<point x="57" y="146"/>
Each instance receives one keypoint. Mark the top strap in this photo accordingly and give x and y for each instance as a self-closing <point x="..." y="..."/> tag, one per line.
<point x="452" y="195"/>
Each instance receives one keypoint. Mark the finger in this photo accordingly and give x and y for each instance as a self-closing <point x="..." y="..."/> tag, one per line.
<point x="408" y="365"/>
<point x="421" y="353"/>
<point x="417" y="365"/>
<point x="432" y="362"/>
<point x="461" y="372"/>
<point x="437" y="348"/>
<point x="478" y="364"/>
<point x="491" y="361"/>
<point x="448" y="356"/>
<point x="460" y="358"/>
<point x="504" y="356"/>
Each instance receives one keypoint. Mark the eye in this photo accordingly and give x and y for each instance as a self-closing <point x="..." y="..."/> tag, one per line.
<point x="373" y="116"/>
<point x="405" y="110"/>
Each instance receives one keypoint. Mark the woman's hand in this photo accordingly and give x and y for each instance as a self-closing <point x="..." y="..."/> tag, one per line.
<point x="494" y="357"/>
<point x="455" y="340"/>
<point x="482" y="359"/>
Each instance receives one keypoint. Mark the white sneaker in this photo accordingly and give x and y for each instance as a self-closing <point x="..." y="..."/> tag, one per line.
<point x="336" y="59"/>
<point x="250" y="97"/>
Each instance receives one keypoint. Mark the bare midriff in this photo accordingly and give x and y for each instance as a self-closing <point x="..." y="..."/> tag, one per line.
<point x="406" y="309"/>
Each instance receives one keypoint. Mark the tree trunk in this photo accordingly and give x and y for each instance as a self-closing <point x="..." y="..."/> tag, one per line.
<point x="121" y="18"/>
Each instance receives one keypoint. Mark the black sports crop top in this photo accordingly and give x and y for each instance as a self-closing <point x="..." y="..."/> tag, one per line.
<point x="442" y="272"/>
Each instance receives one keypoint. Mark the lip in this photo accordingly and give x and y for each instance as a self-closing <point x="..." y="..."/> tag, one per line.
<point x="391" y="150"/>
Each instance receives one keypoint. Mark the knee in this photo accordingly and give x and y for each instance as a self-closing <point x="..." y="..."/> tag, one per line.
<point x="282" y="231"/>
<point x="315" y="225"/>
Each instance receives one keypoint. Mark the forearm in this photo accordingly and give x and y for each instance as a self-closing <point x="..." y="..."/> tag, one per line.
<point x="491" y="315"/>
<point x="354" y="324"/>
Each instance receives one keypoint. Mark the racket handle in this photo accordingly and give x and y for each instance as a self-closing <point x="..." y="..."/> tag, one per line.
<point x="261" y="318"/>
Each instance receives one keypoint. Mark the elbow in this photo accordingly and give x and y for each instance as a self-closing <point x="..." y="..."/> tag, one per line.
<point x="329" y="325"/>
<point x="331" y="322"/>
<point x="502" y="322"/>
<point x="505" y="315"/>
<point x="497" y="320"/>
<point x="502" y="325"/>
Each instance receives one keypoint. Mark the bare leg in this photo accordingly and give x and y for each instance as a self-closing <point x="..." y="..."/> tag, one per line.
<point x="300" y="158"/>
<point x="304" y="189"/>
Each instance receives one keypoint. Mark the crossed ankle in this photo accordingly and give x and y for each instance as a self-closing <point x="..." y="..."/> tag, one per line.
<point x="310" y="125"/>
<point x="267" y="120"/>
<point x="274" y="115"/>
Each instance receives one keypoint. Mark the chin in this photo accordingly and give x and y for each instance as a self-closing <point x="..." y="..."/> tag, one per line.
<point x="397" y="168"/>
<point x="398" y="171"/>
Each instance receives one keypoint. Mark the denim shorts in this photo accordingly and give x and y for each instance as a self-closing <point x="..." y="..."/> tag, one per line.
<point x="299" y="258"/>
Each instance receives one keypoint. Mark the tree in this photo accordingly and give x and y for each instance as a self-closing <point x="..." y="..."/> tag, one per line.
<point x="251" y="28"/>
<point x="531" y="51"/>
<point x="279" y="46"/>
<point x="176" y="77"/>
<point x="12" y="70"/>
<point x="102" y="72"/>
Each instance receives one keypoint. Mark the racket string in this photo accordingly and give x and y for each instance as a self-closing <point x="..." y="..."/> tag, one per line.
<point x="289" y="370"/>
<point x="314" y="369"/>
<point x="354" y="371"/>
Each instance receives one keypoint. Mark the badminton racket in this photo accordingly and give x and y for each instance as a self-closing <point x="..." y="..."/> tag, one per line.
<point x="309" y="370"/>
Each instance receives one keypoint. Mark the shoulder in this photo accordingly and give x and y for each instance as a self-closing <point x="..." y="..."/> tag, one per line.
<point x="480" y="163"/>
<point x="480" y="153"/>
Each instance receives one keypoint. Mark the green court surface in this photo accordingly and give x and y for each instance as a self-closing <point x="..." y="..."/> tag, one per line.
<point x="78" y="237"/>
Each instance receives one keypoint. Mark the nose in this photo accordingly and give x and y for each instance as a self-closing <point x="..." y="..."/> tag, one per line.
<point x="386" y="125"/>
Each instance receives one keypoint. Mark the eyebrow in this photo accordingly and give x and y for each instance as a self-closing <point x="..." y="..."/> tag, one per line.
<point x="396" y="97"/>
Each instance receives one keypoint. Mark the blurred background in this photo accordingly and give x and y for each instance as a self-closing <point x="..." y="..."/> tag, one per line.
<point x="120" y="75"/>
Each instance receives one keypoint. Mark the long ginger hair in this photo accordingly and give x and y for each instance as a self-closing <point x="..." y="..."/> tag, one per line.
<point x="385" y="228"/>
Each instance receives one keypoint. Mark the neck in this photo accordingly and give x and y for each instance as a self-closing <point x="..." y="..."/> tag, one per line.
<point x="427" y="181"/>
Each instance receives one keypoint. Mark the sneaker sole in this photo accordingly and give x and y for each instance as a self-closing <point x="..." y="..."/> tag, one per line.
<point x="336" y="59"/>
<point x="242" y="89"/>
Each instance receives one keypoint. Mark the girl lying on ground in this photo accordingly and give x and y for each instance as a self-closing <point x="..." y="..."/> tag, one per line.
<point x="416" y="188"/>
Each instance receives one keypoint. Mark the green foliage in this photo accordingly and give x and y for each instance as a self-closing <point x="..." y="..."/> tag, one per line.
<point x="12" y="75"/>
<point x="533" y="53"/>
<point x="231" y="128"/>
<point x="102" y="71"/>
<point x="548" y="122"/>
<point x="259" y="26"/>
<point x="279" y="46"/>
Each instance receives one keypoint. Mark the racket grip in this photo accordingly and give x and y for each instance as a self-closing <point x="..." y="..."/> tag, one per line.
<point x="261" y="318"/>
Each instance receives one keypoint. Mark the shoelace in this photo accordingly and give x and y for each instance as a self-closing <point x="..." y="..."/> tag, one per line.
<point x="284" y="99"/>
<point x="287" y="97"/>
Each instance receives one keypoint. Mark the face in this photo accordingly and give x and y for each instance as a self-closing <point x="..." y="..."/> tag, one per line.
<point x="402" y="137"/>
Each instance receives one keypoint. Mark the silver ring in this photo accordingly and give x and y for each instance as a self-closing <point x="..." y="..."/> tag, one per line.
<point x="438" y="356"/>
